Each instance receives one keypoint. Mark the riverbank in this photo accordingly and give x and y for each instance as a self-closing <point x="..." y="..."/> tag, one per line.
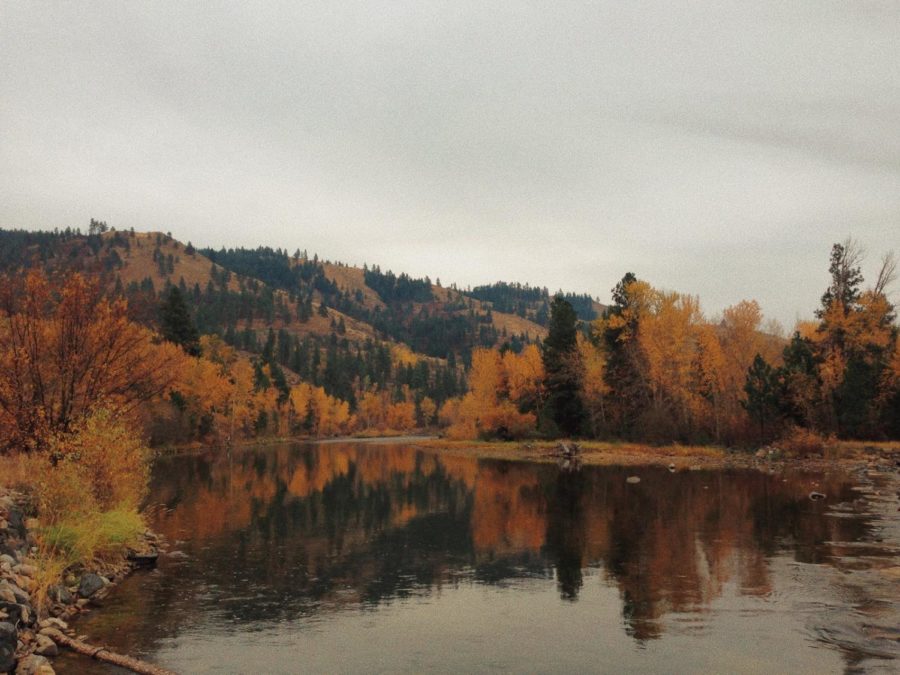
<point x="847" y="455"/>
<point x="840" y="454"/>
<point x="37" y="597"/>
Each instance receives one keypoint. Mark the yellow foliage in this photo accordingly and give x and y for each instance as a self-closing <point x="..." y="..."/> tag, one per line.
<point x="402" y="416"/>
<point x="802" y="442"/>
<point x="449" y="412"/>
<point x="112" y="459"/>
<point x="487" y="409"/>
<point x="524" y="373"/>
<point x="403" y="355"/>
<point x="427" y="409"/>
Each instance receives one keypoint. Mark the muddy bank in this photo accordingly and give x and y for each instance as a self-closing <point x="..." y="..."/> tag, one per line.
<point x="848" y="457"/>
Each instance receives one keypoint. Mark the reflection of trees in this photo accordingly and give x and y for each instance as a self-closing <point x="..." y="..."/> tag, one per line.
<point x="297" y="530"/>
<point x="566" y="540"/>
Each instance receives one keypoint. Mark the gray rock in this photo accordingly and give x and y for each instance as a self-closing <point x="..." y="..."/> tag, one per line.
<point x="90" y="584"/>
<point x="6" y="558"/>
<point x="26" y="570"/>
<point x="6" y="594"/>
<point x="17" y="613"/>
<point x="16" y="521"/>
<point x="21" y="596"/>
<point x="45" y="646"/>
<point x="53" y="623"/>
<point x="8" y="641"/>
<point x="60" y="594"/>
<point x="34" y="665"/>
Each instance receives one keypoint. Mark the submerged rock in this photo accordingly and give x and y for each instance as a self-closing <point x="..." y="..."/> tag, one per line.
<point x="633" y="479"/>
<point x="816" y="496"/>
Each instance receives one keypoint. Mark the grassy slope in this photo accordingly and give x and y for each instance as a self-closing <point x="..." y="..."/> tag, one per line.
<point x="195" y="269"/>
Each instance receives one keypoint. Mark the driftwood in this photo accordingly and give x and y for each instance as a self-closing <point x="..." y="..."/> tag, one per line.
<point x="103" y="654"/>
<point x="569" y="456"/>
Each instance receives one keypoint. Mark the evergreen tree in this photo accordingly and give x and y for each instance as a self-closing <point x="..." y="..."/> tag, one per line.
<point x="176" y="324"/>
<point x="560" y="355"/>
<point x="629" y="393"/>
<point x="846" y="277"/>
<point x="761" y="390"/>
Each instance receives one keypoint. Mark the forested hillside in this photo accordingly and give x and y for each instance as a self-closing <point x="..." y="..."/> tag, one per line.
<point x="351" y="332"/>
<point x="328" y="348"/>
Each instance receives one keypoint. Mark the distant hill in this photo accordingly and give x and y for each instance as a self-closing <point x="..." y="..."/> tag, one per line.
<point x="303" y="312"/>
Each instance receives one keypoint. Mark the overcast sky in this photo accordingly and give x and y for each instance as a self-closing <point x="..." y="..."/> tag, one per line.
<point x="715" y="148"/>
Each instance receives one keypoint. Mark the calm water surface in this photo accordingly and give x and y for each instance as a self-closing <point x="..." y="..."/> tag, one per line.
<point x="381" y="558"/>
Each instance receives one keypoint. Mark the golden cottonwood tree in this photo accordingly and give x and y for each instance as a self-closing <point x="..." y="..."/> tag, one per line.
<point x="487" y="410"/>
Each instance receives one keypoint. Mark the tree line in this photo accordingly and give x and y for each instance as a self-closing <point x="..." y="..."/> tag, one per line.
<point x="654" y="368"/>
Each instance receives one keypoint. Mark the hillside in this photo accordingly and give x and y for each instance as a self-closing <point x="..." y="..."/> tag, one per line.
<point x="340" y="327"/>
<point x="269" y="289"/>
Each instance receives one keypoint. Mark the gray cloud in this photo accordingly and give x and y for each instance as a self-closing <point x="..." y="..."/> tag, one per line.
<point x="715" y="148"/>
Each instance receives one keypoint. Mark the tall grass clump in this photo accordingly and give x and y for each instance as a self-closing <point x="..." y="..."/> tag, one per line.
<point x="88" y="488"/>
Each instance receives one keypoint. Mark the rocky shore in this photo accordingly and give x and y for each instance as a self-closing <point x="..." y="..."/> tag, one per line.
<point x="25" y="645"/>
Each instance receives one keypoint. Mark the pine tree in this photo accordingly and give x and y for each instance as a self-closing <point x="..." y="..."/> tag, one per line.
<point x="176" y="324"/>
<point x="761" y="390"/>
<point x="560" y="356"/>
<point x="626" y="366"/>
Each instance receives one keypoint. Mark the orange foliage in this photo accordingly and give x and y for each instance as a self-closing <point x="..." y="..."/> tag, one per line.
<point x="488" y="408"/>
<point x="63" y="353"/>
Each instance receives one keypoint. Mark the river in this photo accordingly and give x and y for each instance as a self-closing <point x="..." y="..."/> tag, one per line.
<point x="365" y="558"/>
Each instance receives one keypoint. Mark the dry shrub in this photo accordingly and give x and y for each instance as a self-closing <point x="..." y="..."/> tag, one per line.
<point x="88" y="488"/>
<point x="505" y="421"/>
<point x="63" y="491"/>
<point x="464" y="430"/>
<point x="16" y="471"/>
<point x="800" y="442"/>
<point x="111" y="460"/>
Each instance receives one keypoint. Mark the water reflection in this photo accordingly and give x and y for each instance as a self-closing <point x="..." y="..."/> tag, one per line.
<point x="292" y="535"/>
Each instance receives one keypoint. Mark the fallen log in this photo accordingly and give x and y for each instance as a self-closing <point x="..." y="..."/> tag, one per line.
<point x="103" y="654"/>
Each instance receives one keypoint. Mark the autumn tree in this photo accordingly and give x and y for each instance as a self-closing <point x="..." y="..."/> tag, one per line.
<point x="64" y="353"/>
<point x="668" y="338"/>
<point x="854" y="344"/>
<point x="486" y="410"/>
